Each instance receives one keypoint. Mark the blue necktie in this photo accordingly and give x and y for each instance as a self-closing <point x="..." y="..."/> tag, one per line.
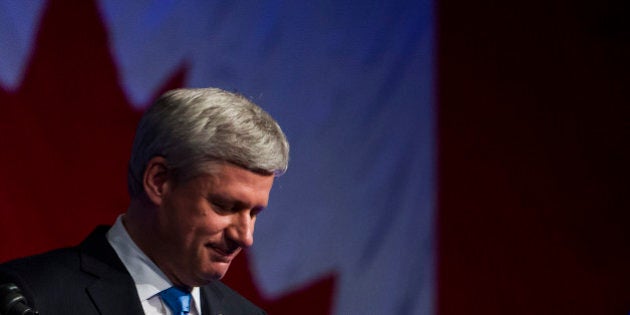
<point x="177" y="300"/>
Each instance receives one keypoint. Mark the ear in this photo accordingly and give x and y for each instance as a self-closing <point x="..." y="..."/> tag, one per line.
<point x="155" y="179"/>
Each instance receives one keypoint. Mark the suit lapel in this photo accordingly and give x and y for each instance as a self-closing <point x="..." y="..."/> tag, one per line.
<point x="212" y="300"/>
<point x="112" y="296"/>
<point x="113" y="292"/>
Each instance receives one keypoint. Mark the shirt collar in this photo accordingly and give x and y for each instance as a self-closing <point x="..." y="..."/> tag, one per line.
<point x="149" y="279"/>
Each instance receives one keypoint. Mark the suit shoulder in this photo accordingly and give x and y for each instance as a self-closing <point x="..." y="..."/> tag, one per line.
<point x="42" y="272"/>
<point x="46" y="263"/>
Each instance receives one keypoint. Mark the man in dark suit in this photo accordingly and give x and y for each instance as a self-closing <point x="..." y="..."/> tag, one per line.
<point x="201" y="169"/>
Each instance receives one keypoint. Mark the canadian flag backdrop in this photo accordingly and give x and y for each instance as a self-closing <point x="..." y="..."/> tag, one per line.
<point x="349" y="227"/>
<point x="447" y="158"/>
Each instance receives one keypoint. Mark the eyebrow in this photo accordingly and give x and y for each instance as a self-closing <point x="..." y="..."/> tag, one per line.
<point x="233" y="202"/>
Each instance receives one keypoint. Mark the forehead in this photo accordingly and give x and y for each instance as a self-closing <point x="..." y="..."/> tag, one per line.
<point x="234" y="182"/>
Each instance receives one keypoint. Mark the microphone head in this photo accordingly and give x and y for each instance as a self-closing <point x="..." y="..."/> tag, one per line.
<point x="12" y="302"/>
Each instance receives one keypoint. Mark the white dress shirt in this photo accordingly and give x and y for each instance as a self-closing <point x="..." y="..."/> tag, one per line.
<point x="149" y="279"/>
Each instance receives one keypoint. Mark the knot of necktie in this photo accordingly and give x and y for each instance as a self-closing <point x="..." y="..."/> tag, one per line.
<point x="177" y="300"/>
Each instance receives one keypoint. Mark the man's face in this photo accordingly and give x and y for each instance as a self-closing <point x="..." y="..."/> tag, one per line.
<point x="205" y="222"/>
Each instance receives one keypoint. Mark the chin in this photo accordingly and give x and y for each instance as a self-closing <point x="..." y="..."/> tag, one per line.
<point x="216" y="272"/>
<point x="206" y="278"/>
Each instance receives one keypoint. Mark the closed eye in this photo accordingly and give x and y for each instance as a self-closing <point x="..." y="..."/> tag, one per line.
<point x="222" y="205"/>
<point x="221" y="208"/>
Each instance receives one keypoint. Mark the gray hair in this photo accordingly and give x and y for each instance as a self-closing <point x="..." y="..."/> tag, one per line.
<point x="189" y="127"/>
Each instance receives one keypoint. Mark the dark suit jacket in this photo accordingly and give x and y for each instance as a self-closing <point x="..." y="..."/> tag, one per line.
<point x="91" y="279"/>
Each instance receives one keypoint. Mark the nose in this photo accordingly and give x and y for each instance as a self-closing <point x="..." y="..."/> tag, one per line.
<point x="242" y="229"/>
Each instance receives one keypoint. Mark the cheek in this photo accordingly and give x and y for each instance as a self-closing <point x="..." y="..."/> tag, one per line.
<point x="180" y="223"/>
<point x="210" y="224"/>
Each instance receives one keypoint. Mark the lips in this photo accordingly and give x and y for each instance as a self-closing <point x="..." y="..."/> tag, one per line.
<point x="224" y="255"/>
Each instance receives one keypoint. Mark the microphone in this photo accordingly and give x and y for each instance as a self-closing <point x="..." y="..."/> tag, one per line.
<point x="12" y="302"/>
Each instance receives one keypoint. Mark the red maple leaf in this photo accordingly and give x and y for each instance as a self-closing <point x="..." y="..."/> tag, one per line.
<point x="66" y="134"/>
